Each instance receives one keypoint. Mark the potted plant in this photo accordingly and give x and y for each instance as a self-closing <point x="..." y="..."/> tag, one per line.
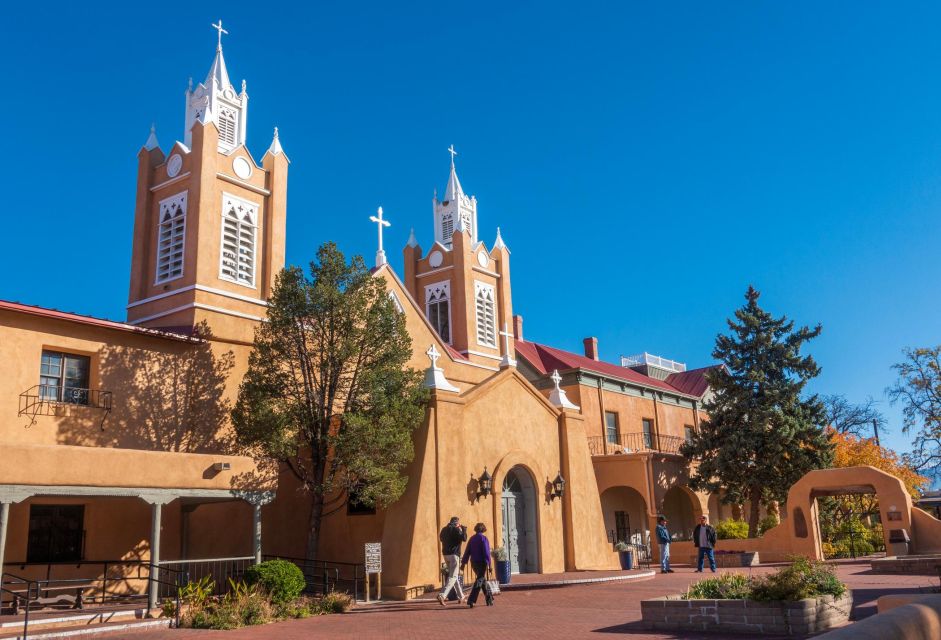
<point x="625" y="555"/>
<point x="502" y="559"/>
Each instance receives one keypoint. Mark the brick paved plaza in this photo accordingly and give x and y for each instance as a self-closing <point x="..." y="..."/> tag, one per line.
<point x="582" y="611"/>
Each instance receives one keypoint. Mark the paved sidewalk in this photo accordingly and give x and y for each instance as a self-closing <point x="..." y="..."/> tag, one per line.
<point x="581" y="611"/>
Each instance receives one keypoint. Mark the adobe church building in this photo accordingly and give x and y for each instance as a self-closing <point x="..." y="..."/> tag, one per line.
<point x="115" y="434"/>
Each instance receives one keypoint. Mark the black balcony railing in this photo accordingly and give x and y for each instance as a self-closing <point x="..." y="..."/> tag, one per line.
<point x="634" y="443"/>
<point x="48" y="399"/>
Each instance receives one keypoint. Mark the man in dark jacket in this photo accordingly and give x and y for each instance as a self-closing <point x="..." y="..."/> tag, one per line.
<point x="704" y="537"/>
<point x="451" y="537"/>
<point x="663" y="541"/>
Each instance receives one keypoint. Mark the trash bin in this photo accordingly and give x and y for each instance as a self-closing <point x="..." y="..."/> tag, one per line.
<point x="899" y="542"/>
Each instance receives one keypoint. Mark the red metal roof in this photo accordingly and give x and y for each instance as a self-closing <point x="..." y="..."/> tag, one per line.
<point x="692" y="382"/>
<point x="55" y="314"/>
<point x="545" y="359"/>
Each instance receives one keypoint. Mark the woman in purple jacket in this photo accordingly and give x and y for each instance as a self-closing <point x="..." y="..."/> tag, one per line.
<point x="478" y="550"/>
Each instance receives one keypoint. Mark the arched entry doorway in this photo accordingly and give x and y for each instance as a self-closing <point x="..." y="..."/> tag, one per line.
<point x="680" y="511"/>
<point x="519" y="521"/>
<point x="625" y="515"/>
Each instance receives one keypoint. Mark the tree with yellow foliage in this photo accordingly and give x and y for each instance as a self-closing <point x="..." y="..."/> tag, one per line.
<point x="853" y="451"/>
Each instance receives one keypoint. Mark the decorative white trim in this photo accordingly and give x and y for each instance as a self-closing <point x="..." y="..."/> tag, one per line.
<point x="243" y="184"/>
<point x="199" y="287"/>
<point x="254" y="214"/>
<point x="197" y="305"/>
<point x="20" y="492"/>
<point x="481" y="354"/>
<point x="179" y="199"/>
<point x="493" y="274"/>
<point x="435" y="258"/>
<point x="167" y="183"/>
<point x="435" y="272"/>
<point x="396" y="302"/>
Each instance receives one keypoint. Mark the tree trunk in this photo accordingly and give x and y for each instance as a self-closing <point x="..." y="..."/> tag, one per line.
<point x="754" y="513"/>
<point x="313" y="531"/>
<point x="736" y="512"/>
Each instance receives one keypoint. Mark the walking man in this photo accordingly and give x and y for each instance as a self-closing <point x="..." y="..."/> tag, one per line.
<point x="453" y="534"/>
<point x="663" y="540"/>
<point x="704" y="537"/>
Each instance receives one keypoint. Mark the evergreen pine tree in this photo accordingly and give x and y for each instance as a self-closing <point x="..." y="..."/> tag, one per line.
<point x="328" y="396"/>
<point x="762" y="434"/>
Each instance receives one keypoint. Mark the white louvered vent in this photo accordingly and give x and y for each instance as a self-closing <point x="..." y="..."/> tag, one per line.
<point x="239" y="230"/>
<point x="228" y="128"/>
<point x="486" y="315"/>
<point x="171" y="235"/>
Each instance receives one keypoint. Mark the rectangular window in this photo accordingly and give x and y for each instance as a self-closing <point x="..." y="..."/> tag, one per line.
<point x="438" y="309"/>
<point x="239" y="231"/>
<point x="56" y="533"/>
<point x="228" y="127"/>
<point x="171" y="234"/>
<point x="486" y="315"/>
<point x="648" y="433"/>
<point x="63" y="377"/>
<point x="611" y="426"/>
<point x="688" y="431"/>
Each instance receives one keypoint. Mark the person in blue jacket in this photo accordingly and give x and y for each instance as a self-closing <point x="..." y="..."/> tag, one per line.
<point x="663" y="539"/>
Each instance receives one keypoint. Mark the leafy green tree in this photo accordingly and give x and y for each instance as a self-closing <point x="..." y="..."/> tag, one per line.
<point x="918" y="388"/>
<point x="328" y="395"/>
<point x="761" y="434"/>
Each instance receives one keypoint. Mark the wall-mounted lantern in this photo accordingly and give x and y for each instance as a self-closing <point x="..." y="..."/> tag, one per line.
<point x="485" y="484"/>
<point x="558" y="486"/>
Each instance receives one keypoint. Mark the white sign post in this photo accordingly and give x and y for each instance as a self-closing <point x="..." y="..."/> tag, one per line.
<point x="373" y="565"/>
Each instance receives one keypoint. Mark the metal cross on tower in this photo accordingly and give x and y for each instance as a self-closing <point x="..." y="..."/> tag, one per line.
<point x="380" y="223"/>
<point x="452" y="152"/>
<point x="218" y="27"/>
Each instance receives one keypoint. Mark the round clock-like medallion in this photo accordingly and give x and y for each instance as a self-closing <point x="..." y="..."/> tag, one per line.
<point x="174" y="164"/>
<point x="242" y="168"/>
<point x="435" y="259"/>
<point x="482" y="259"/>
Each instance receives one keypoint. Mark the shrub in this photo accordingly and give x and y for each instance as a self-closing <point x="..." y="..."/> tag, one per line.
<point x="336" y="602"/>
<point x="732" y="530"/>
<point x="283" y="581"/>
<point x="770" y="521"/>
<point x="500" y="554"/>
<point x="728" y="586"/>
<point x="622" y="546"/>
<point x="804" y="578"/>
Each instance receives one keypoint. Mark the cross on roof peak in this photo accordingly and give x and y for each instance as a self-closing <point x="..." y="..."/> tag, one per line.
<point x="433" y="355"/>
<point x="453" y="153"/>
<point x="556" y="378"/>
<point x="218" y="27"/>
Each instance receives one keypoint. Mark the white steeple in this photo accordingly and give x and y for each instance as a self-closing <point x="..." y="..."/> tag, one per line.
<point x="275" y="147"/>
<point x="152" y="143"/>
<point x="456" y="212"/>
<point x="215" y="99"/>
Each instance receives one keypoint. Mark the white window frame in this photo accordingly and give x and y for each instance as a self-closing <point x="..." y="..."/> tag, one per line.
<point x="181" y="200"/>
<point x="256" y="210"/>
<point x="226" y="143"/>
<point x="484" y="288"/>
<point x="430" y="289"/>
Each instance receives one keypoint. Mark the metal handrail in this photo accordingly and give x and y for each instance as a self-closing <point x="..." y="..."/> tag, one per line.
<point x="639" y="442"/>
<point x="317" y="573"/>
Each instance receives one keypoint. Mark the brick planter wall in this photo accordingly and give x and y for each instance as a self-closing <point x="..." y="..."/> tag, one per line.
<point x="726" y="560"/>
<point x="747" y="616"/>
<point x="909" y="565"/>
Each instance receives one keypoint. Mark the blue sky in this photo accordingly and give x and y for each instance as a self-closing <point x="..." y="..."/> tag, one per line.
<point x="645" y="161"/>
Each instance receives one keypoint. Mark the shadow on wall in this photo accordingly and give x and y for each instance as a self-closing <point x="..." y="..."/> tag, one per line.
<point x="173" y="400"/>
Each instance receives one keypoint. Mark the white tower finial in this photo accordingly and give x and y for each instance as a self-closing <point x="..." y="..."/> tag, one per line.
<point x="380" y="223"/>
<point x="218" y="27"/>
<point x="453" y="153"/>
<point x="434" y="375"/>
<point x="152" y="139"/>
<point x="557" y="397"/>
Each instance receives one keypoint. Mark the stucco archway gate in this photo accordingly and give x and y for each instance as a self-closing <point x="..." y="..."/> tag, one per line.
<point x="799" y="532"/>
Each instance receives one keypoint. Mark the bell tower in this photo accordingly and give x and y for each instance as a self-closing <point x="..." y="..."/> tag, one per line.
<point x="209" y="227"/>
<point x="463" y="287"/>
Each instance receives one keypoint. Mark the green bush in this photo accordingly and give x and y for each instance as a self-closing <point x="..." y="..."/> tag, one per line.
<point x="728" y="586"/>
<point x="804" y="578"/>
<point x="500" y="554"/>
<point x="335" y="602"/>
<point x="732" y="530"/>
<point x="283" y="581"/>
<point x="770" y="521"/>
